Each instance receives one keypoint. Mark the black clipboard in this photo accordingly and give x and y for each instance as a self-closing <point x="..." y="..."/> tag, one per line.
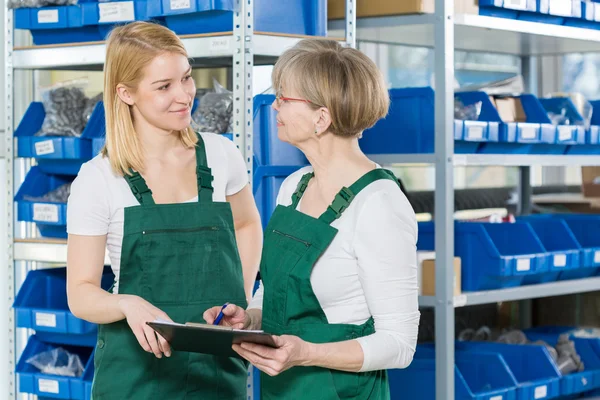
<point x="208" y="339"/>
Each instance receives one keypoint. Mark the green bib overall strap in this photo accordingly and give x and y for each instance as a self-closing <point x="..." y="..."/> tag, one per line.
<point x="139" y="188"/>
<point x="302" y="185"/>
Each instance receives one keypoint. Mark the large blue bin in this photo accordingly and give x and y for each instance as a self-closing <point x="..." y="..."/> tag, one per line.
<point x="480" y="377"/>
<point x="585" y="227"/>
<point x="301" y="17"/>
<point x="266" y="184"/>
<point x="563" y="250"/>
<point x="51" y="218"/>
<point x="493" y="256"/>
<point x="410" y="125"/>
<point x="31" y="380"/>
<point x="579" y="382"/>
<point x="57" y="154"/>
<point x="532" y="366"/>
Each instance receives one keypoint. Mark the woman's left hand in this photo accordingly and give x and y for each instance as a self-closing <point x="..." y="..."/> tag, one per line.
<point x="290" y="352"/>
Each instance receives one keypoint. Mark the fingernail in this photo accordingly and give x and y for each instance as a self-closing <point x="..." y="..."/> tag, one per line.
<point x="159" y="356"/>
<point x="168" y="354"/>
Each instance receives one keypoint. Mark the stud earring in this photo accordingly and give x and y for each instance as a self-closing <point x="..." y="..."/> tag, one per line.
<point x="316" y="131"/>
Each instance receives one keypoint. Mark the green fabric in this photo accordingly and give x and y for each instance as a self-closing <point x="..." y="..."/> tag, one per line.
<point x="293" y="243"/>
<point x="183" y="259"/>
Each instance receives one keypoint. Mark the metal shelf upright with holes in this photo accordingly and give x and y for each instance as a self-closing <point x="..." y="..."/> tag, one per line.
<point x="240" y="50"/>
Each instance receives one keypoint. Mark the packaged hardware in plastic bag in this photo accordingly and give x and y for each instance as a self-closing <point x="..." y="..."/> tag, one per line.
<point x="58" y="195"/>
<point x="39" y="3"/>
<point x="57" y="362"/>
<point x="90" y="104"/>
<point x="467" y="113"/>
<point x="215" y="112"/>
<point x="64" y="104"/>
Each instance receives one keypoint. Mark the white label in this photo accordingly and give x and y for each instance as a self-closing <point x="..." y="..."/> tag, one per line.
<point x="584" y="381"/>
<point x="45" y="147"/>
<point x="516" y="4"/>
<point x="48" y="386"/>
<point x="496" y="398"/>
<point x="523" y="264"/>
<point x="561" y="7"/>
<point x="180" y="4"/>
<point x="220" y="44"/>
<point x="560" y="260"/>
<point x="597" y="256"/>
<point x="460" y="301"/>
<point x="47" y="16"/>
<point x="541" y="392"/>
<point x="565" y="133"/>
<point x="116" y="12"/>
<point x="45" y="319"/>
<point x="596" y="11"/>
<point x="528" y="132"/>
<point x="475" y="132"/>
<point x="45" y="212"/>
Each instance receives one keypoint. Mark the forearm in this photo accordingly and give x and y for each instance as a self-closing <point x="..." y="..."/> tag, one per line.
<point x="249" y="240"/>
<point x="93" y="304"/>
<point x="344" y="356"/>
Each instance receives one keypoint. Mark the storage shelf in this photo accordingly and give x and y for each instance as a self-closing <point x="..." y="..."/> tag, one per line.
<point x="43" y="250"/>
<point x="520" y="293"/>
<point x="478" y="33"/>
<point x="508" y="160"/>
<point x="204" y="50"/>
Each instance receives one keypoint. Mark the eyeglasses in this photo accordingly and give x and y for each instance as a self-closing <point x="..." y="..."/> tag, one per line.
<point x="281" y="99"/>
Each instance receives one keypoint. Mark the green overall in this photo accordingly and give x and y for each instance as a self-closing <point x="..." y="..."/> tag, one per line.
<point x="183" y="259"/>
<point x="293" y="243"/>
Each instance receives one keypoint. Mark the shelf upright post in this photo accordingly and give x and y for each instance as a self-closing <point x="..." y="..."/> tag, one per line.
<point x="351" y="23"/>
<point x="444" y="198"/>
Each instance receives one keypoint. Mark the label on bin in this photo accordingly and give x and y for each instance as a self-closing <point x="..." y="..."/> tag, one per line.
<point x="541" y="392"/>
<point x="475" y="132"/>
<point x="528" y="132"/>
<point x="45" y="147"/>
<point x="47" y="16"/>
<point x="523" y="264"/>
<point x="180" y="4"/>
<point x="45" y="319"/>
<point x="596" y="11"/>
<point x="560" y="260"/>
<point x="597" y="256"/>
<point x="45" y="212"/>
<point x="116" y="12"/>
<point x="561" y="7"/>
<point x="48" y="386"/>
<point x="496" y="398"/>
<point x="565" y="133"/>
<point x="516" y="4"/>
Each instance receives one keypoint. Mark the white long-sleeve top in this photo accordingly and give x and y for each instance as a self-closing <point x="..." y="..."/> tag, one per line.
<point x="370" y="269"/>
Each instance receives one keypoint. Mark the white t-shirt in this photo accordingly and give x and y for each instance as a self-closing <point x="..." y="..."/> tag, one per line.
<point x="370" y="269"/>
<point x="98" y="196"/>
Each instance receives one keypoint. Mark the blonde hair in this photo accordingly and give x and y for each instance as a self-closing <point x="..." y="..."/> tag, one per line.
<point x="344" y="80"/>
<point x="130" y="48"/>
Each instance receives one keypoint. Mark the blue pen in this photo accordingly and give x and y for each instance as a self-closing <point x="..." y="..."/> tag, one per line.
<point x="220" y="316"/>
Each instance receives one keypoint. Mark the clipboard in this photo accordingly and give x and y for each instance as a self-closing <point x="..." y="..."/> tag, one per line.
<point x="208" y="339"/>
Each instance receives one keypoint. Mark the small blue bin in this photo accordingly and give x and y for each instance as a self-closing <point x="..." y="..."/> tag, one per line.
<point x="573" y="134"/>
<point x="410" y="125"/>
<point x="57" y="154"/>
<point x="31" y="380"/>
<point x="563" y="250"/>
<point x="579" y="382"/>
<point x="300" y="17"/>
<point x="481" y="377"/>
<point x="51" y="218"/>
<point x="506" y="8"/>
<point x="592" y="138"/>
<point x="268" y="148"/>
<point x="586" y="228"/>
<point x="493" y="256"/>
<point x="532" y="366"/>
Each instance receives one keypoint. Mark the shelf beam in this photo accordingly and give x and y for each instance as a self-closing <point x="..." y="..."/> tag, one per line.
<point x="506" y="160"/>
<point x="45" y="251"/>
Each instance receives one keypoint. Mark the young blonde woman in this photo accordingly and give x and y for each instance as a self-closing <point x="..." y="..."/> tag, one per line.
<point x="339" y="265"/>
<point x="178" y="218"/>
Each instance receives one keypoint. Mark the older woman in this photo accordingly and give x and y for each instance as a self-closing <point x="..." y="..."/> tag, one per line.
<point x="339" y="263"/>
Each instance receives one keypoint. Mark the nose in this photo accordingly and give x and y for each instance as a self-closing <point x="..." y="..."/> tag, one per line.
<point x="275" y="105"/>
<point x="184" y="95"/>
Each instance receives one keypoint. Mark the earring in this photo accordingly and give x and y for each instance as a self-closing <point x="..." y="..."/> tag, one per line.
<point x="316" y="131"/>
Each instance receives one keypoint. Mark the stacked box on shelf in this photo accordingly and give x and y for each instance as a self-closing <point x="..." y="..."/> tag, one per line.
<point x="300" y="17"/>
<point x="493" y="255"/>
<point x="84" y="22"/>
<point x="410" y="125"/>
<point x="57" y="154"/>
<point x="481" y="377"/>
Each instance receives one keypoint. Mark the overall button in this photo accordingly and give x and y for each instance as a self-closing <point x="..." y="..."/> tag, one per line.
<point x="101" y="344"/>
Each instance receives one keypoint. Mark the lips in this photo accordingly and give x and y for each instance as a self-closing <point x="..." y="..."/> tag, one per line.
<point x="181" y="111"/>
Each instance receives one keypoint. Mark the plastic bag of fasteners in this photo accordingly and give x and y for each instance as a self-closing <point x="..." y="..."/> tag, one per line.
<point x="64" y="104"/>
<point x="215" y="111"/>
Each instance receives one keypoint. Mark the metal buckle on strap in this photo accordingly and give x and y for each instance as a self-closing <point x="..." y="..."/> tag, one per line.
<point x="342" y="201"/>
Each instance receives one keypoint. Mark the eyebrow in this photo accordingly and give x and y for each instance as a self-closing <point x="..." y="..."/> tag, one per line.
<point x="168" y="79"/>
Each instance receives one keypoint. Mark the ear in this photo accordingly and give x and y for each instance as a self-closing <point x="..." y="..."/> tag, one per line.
<point x="322" y="120"/>
<point x="125" y="94"/>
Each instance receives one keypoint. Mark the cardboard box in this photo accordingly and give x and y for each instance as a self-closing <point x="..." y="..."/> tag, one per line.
<point x="510" y="109"/>
<point x="590" y="178"/>
<point x="428" y="277"/>
<point x="336" y="9"/>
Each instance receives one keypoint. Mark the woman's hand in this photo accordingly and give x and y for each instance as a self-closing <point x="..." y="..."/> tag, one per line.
<point x="233" y="316"/>
<point x="291" y="351"/>
<point x="138" y="311"/>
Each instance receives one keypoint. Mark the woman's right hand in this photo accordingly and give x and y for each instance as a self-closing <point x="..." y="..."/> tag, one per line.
<point x="138" y="311"/>
<point x="233" y="316"/>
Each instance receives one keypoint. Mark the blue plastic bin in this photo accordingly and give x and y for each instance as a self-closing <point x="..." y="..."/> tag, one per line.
<point x="573" y="134"/>
<point x="268" y="148"/>
<point x="586" y="228"/>
<point x="410" y="125"/>
<point x="51" y="218"/>
<point x="535" y="371"/>
<point x="511" y="9"/>
<point x="592" y="137"/>
<point x="31" y="380"/>
<point x="481" y="377"/>
<point x="579" y="382"/>
<point x="563" y="250"/>
<point x="57" y="154"/>
<point x="301" y="17"/>
<point x="266" y="184"/>
<point x="493" y="256"/>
